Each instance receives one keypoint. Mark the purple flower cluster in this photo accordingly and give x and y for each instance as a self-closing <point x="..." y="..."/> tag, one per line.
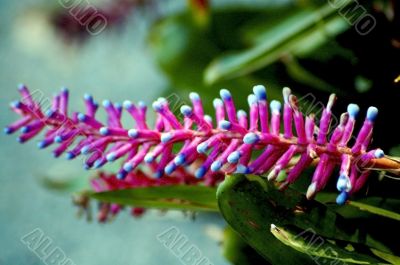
<point x="208" y="151"/>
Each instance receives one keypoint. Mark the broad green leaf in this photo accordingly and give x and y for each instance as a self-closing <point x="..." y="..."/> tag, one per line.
<point x="250" y="205"/>
<point x="195" y="198"/>
<point x="298" y="34"/>
<point x="320" y="248"/>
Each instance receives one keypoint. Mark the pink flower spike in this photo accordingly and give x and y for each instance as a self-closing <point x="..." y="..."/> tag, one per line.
<point x="161" y="107"/>
<point x="287" y="114"/>
<point x="219" y="110"/>
<point x="197" y="104"/>
<point x="282" y="162"/>
<point x="298" y="120"/>
<point x="310" y="127"/>
<point x="90" y="121"/>
<point x="261" y="95"/>
<point x="64" y="96"/>
<point x="325" y="120"/>
<point x="275" y="116"/>
<point x="253" y="106"/>
<point x="13" y="127"/>
<point x="364" y="136"/>
<point x="91" y="106"/>
<point x="229" y="105"/>
<point x="26" y="95"/>
<point x="352" y="110"/>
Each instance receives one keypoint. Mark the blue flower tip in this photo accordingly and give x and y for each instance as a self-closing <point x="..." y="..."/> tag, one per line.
<point x="200" y="172"/>
<point x="41" y="144"/>
<point x="353" y="110"/>
<point x="372" y="113"/>
<point x="342" y="198"/>
<point x="216" y="166"/>
<point x="104" y="131"/>
<point x="111" y="157"/>
<point x="142" y="104"/>
<point x="149" y="158"/>
<point x="127" y="167"/>
<point x="157" y="106"/>
<point x="169" y="169"/>
<point x="194" y="96"/>
<point x="81" y="117"/>
<point x="241" y="169"/>
<point x="121" y="175"/>
<point x="69" y="155"/>
<point x="217" y="103"/>
<point x="158" y="174"/>
<point x="88" y="97"/>
<point x="225" y="94"/>
<point x="180" y="159"/>
<point x="252" y="99"/>
<point x="275" y="106"/>
<point x="224" y="125"/>
<point x="133" y="133"/>
<point x="58" y="139"/>
<point x="24" y="129"/>
<point x="241" y="113"/>
<point x="166" y="137"/>
<point x="234" y="157"/>
<point x="186" y="110"/>
<point x="202" y="148"/>
<point x="15" y="104"/>
<point x="250" y="138"/>
<point x="21" y="86"/>
<point x="379" y="153"/>
<point x="260" y="92"/>
<point x="106" y="103"/>
<point x="7" y="130"/>
<point x="64" y="89"/>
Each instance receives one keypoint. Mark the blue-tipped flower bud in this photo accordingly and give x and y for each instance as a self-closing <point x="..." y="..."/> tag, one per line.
<point x="353" y="110"/>
<point x="372" y="113"/>
<point x="252" y="99"/>
<point x="234" y="157"/>
<point x="200" y="172"/>
<point x="194" y="96"/>
<point x="225" y="94"/>
<point x="202" y="148"/>
<point x="260" y="92"/>
<point x="104" y="131"/>
<point x="224" y="125"/>
<point x="133" y="133"/>
<point x="251" y="138"/>
<point x="180" y="159"/>
<point x="217" y="103"/>
<point x="186" y="110"/>
<point x="166" y="137"/>
<point x="342" y="198"/>
<point x="216" y="166"/>
<point x="275" y="106"/>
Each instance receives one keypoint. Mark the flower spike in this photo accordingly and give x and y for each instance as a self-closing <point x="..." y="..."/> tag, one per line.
<point x="207" y="151"/>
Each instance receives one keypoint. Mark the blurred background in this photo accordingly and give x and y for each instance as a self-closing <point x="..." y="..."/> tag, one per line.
<point x="155" y="48"/>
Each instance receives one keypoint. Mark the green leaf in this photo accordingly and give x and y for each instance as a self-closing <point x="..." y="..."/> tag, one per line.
<point x="318" y="247"/>
<point x="195" y="198"/>
<point x="250" y="205"/>
<point x="375" y="210"/>
<point x="298" y="34"/>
